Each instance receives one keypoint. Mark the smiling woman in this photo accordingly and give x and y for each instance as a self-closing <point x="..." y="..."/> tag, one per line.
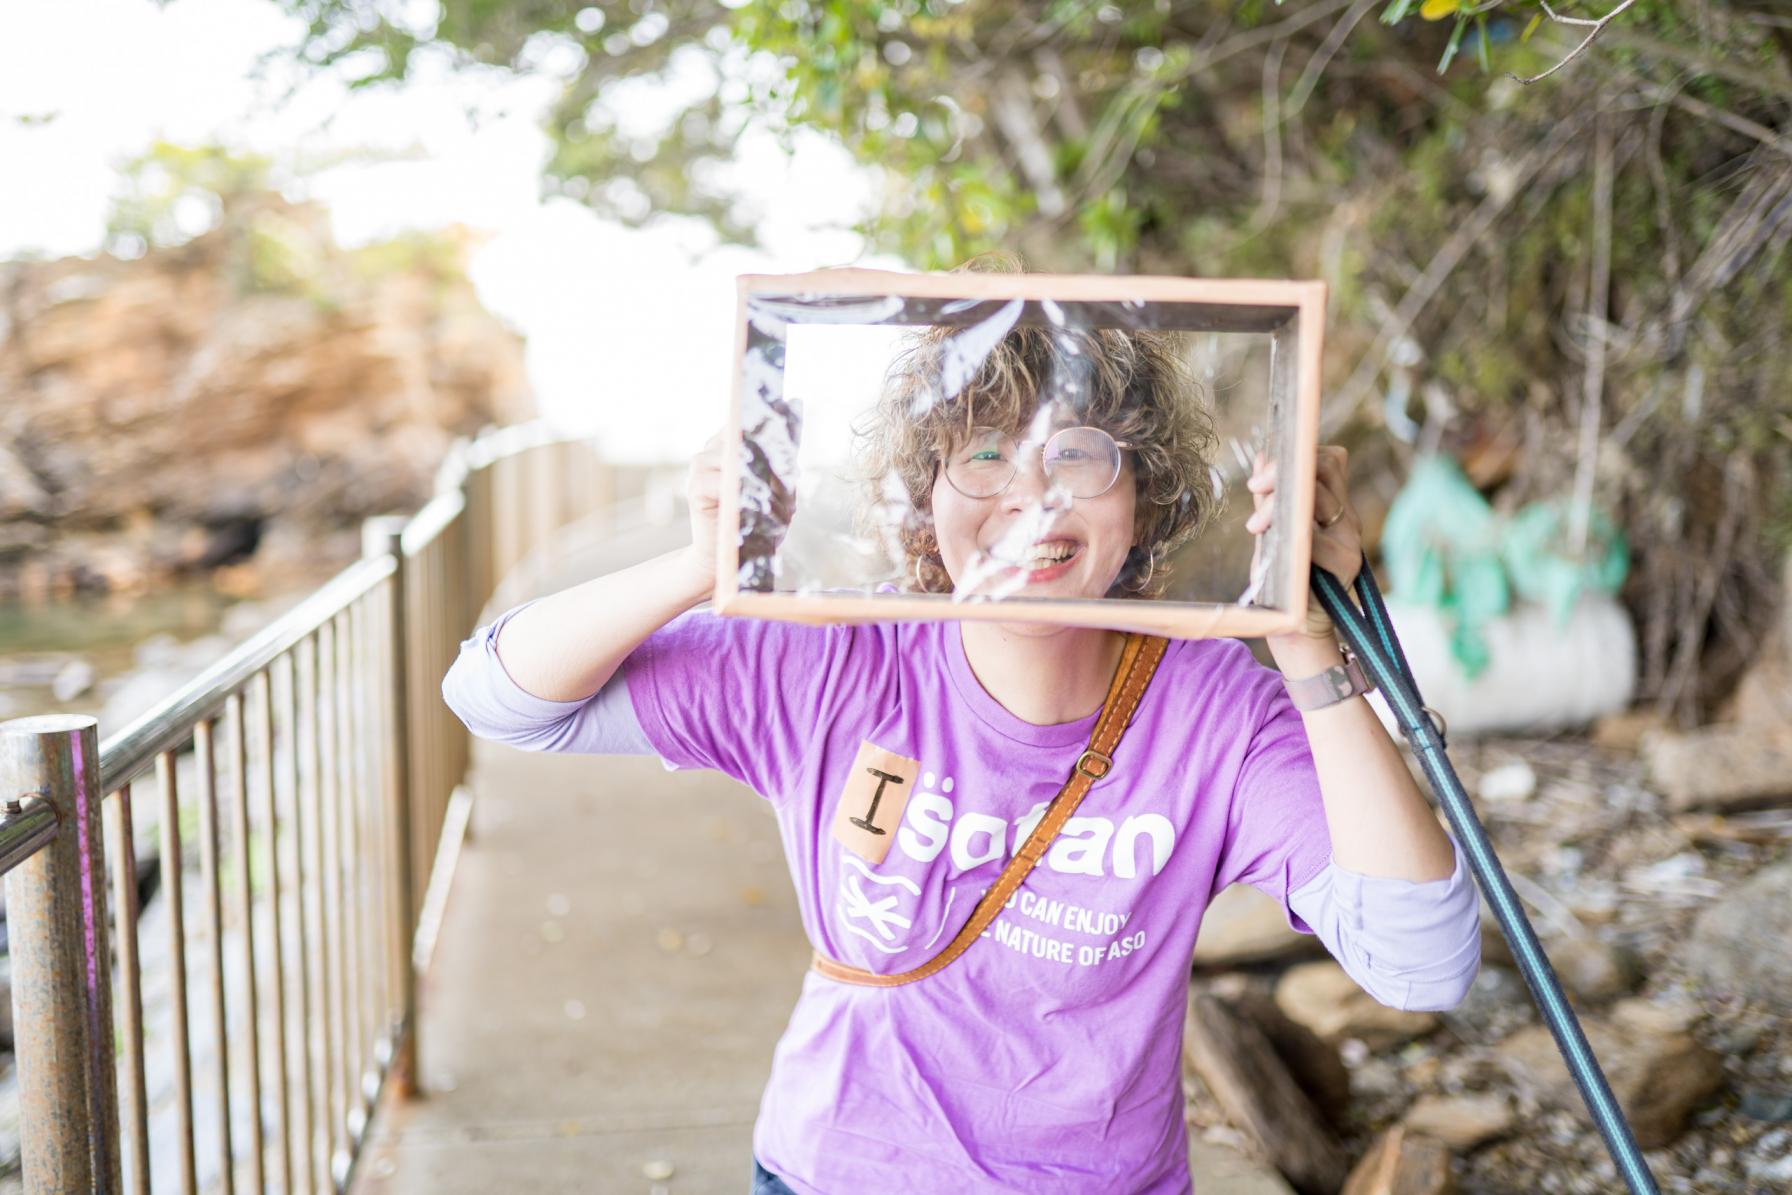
<point x="1057" y="433"/>
<point x="1071" y="791"/>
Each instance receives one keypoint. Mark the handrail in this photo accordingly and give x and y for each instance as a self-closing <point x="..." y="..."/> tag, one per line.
<point x="26" y="831"/>
<point x="431" y="521"/>
<point x="316" y="758"/>
<point x="128" y="753"/>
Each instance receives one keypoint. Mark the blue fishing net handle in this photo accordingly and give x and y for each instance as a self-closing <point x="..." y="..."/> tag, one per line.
<point x="1370" y="634"/>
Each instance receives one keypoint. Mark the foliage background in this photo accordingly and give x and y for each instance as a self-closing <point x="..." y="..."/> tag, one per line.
<point x="1578" y="285"/>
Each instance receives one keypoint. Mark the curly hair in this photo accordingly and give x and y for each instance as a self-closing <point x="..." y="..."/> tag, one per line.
<point x="1135" y="385"/>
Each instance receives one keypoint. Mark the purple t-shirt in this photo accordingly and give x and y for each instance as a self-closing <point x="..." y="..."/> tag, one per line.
<point x="1046" y="1059"/>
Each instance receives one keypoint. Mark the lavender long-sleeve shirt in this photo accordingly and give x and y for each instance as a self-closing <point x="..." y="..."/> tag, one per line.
<point x="1046" y="1059"/>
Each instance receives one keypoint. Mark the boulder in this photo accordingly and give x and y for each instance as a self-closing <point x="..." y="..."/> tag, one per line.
<point x="170" y="412"/>
<point x="1657" y="1071"/>
<point x="1724" y="767"/>
<point x="1738" y="944"/>
<point x="1242" y="925"/>
<point x="1328" y="1002"/>
<point x="1593" y="970"/>
<point x="1221" y="1170"/>
<point x="1744" y="761"/>
<point x="1460" y="1121"/>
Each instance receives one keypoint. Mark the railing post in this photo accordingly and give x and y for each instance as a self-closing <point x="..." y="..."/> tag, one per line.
<point x="385" y="536"/>
<point x="61" y="966"/>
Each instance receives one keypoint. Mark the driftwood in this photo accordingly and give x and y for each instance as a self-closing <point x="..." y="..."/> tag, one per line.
<point x="1402" y="1162"/>
<point x="1313" y="1062"/>
<point x="1240" y="1066"/>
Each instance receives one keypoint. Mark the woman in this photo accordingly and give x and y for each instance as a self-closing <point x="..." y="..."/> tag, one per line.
<point x="1046" y="1058"/>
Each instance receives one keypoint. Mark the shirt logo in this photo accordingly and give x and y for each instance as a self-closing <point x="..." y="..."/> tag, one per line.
<point x="878" y="914"/>
<point x="872" y="801"/>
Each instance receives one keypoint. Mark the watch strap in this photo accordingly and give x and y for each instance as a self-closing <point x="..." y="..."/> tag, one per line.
<point x="1338" y="683"/>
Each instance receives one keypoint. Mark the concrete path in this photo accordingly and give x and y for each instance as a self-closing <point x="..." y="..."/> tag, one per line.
<point x="620" y="954"/>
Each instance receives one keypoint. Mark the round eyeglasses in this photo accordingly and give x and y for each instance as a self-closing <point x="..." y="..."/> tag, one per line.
<point x="1082" y="461"/>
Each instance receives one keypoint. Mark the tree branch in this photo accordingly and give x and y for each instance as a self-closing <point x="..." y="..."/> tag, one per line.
<point x="1595" y="28"/>
<point x="1598" y="317"/>
<point x="1448" y="256"/>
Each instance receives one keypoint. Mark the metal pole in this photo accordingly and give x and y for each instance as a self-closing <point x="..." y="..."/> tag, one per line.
<point x="385" y="536"/>
<point x="61" y="965"/>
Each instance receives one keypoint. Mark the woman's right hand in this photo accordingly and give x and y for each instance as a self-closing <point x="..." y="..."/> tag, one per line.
<point x="703" y="491"/>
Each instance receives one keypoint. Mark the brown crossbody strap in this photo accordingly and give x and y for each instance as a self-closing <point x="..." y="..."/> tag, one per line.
<point x="1138" y="661"/>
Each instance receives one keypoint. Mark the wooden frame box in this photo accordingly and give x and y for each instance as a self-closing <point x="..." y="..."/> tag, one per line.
<point x="1289" y="313"/>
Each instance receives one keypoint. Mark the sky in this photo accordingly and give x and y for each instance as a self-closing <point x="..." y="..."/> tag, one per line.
<point x="629" y="331"/>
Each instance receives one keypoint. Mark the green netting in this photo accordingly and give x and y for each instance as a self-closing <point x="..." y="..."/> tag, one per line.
<point x="1446" y="548"/>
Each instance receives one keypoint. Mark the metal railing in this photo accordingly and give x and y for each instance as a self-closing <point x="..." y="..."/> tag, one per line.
<point x="317" y="776"/>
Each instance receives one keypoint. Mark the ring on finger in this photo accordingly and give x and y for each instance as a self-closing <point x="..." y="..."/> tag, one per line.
<point x="1325" y="523"/>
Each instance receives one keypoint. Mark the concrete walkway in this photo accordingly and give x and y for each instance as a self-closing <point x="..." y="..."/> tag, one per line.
<point x="620" y="954"/>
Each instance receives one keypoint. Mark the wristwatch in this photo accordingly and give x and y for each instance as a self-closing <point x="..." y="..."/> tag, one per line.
<point x="1338" y="683"/>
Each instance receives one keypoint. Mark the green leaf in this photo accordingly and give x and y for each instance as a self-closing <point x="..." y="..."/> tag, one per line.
<point x="1525" y="37"/>
<point x="1395" y="12"/>
<point x="1481" y="40"/>
<point x="1455" y="44"/>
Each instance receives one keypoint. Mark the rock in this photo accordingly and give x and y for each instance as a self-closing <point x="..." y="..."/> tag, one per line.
<point x="1328" y="1002"/>
<point x="1314" y="1063"/>
<point x="169" y="412"/>
<point x="1497" y="1003"/>
<point x="1221" y="1170"/>
<point x="1659" y="1073"/>
<point x="1459" y="1121"/>
<point x="1720" y="767"/>
<point x="1251" y="1083"/>
<point x="76" y="678"/>
<point x="1625" y="731"/>
<point x="22" y="494"/>
<point x="1772" y="1173"/>
<point x="1402" y="1163"/>
<point x="1243" y="925"/>
<point x="1738" y="944"/>
<point x="1508" y="782"/>
<point x="1763" y="698"/>
<point x="1765" y="1104"/>
<point x="1594" y="971"/>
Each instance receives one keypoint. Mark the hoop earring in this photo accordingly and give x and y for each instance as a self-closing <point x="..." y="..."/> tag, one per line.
<point x="921" y="581"/>
<point x="1142" y="582"/>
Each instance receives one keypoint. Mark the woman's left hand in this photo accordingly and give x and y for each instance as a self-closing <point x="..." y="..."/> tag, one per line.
<point x="1337" y="531"/>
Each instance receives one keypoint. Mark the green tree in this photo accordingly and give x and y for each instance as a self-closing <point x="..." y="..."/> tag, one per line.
<point x="172" y="193"/>
<point x="1602" y="248"/>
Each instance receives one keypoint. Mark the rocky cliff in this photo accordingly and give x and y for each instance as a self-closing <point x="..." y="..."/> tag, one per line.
<point x="243" y="400"/>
